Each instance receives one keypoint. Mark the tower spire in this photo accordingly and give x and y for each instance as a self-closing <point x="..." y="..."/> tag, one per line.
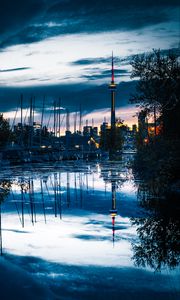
<point x="112" y="70"/>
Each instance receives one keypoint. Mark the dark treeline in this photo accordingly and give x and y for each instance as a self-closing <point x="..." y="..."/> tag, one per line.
<point x="158" y="143"/>
<point x="158" y="90"/>
<point x="157" y="162"/>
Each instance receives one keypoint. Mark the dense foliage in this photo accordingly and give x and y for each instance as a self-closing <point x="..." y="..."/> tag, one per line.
<point x="158" y="88"/>
<point x="157" y="161"/>
<point x="5" y="132"/>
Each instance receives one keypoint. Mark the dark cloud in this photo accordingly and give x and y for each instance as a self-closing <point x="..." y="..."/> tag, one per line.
<point x="91" y="97"/>
<point x="99" y="60"/>
<point x="15" y="69"/>
<point x="34" y="20"/>
<point x="15" y="14"/>
<point x="102" y="74"/>
<point x="90" y="61"/>
<point x="105" y="15"/>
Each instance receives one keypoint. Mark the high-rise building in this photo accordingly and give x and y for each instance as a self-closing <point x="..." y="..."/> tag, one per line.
<point x="134" y="128"/>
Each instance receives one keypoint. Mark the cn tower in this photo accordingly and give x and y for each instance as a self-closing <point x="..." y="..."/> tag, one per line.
<point x="112" y="87"/>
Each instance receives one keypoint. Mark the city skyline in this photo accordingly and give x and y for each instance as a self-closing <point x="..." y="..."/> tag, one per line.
<point x="63" y="49"/>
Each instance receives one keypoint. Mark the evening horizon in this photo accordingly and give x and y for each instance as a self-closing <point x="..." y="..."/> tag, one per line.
<point x="63" y="49"/>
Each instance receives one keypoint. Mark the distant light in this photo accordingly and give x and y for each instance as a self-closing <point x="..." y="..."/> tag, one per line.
<point x="146" y="141"/>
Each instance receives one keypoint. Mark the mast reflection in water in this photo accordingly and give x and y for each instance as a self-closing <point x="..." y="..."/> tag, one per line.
<point x="68" y="213"/>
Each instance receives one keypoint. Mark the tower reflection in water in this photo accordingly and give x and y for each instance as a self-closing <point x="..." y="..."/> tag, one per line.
<point x="35" y="199"/>
<point x="113" y="210"/>
<point x="30" y="197"/>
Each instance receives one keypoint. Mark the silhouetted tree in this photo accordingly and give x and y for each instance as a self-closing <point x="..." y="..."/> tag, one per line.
<point x="158" y="244"/>
<point x="157" y="162"/>
<point x="158" y="88"/>
<point x="5" y="131"/>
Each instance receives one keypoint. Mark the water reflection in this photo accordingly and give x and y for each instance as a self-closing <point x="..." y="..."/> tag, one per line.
<point x="159" y="232"/>
<point x="113" y="210"/>
<point x="71" y="227"/>
<point x="45" y="191"/>
<point x="5" y="186"/>
<point x="90" y="195"/>
<point x="158" y="243"/>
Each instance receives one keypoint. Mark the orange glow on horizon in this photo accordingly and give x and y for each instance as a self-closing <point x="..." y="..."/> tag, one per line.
<point x="127" y="114"/>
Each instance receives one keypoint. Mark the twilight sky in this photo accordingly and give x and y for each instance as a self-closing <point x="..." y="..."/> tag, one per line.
<point x="63" y="49"/>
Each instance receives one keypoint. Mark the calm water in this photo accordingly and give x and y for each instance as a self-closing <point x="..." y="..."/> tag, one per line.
<point x="76" y="230"/>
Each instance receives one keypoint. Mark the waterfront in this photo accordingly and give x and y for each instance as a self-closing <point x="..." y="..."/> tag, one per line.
<point x="60" y="237"/>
